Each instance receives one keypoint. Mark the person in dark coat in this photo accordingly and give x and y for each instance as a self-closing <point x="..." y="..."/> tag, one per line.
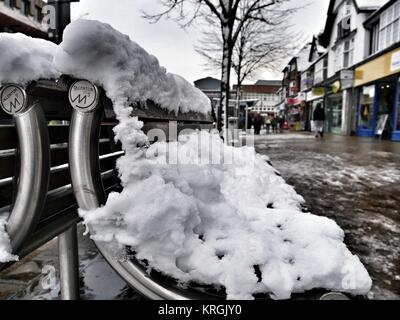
<point x="319" y="121"/>
<point x="258" y="122"/>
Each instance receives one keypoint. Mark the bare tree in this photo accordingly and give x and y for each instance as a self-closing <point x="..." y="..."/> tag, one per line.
<point x="259" y="47"/>
<point x="231" y="17"/>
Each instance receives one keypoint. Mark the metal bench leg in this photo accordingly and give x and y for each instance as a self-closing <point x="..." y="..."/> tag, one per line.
<point x="69" y="264"/>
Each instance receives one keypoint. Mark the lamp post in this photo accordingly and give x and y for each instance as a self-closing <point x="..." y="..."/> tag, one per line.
<point x="62" y="10"/>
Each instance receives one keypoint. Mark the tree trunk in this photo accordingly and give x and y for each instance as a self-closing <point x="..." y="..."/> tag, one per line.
<point x="225" y="87"/>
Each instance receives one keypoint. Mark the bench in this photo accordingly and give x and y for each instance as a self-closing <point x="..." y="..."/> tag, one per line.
<point x="58" y="153"/>
<point x="54" y="158"/>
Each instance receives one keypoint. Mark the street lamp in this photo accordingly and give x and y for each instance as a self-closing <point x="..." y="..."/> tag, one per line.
<point x="62" y="18"/>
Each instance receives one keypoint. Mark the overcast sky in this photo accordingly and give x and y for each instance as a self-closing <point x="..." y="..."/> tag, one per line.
<point x="173" y="46"/>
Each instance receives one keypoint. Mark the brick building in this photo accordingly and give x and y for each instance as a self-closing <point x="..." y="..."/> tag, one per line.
<point x="24" y="16"/>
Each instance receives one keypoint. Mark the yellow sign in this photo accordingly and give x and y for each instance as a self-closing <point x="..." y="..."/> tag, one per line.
<point x="318" y="91"/>
<point x="379" y="68"/>
<point x="336" y="86"/>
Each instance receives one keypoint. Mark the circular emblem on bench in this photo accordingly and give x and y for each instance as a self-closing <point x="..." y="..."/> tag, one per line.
<point x="13" y="99"/>
<point x="83" y="96"/>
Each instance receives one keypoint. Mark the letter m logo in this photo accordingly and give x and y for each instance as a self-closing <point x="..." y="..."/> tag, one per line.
<point x="14" y="105"/>
<point x="80" y="99"/>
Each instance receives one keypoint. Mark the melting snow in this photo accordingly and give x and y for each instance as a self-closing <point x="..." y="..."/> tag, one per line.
<point x="5" y="247"/>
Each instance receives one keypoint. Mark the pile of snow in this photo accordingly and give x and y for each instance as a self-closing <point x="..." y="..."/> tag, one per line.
<point x="213" y="224"/>
<point x="208" y="223"/>
<point x="5" y="247"/>
<point x="128" y="74"/>
<point x="125" y="70"/>
<point x="24" y="59"/>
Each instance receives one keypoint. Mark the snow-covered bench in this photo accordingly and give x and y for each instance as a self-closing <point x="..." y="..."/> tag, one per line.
<point x="238" y="227"/>
<point x="43" y="144"/>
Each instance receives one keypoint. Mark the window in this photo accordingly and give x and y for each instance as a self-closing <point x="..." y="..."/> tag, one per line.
<point x="320" y="70"/>
<point x="389" y="28"/>
<point x="398" y="112"/>
<point x="348" y="53"/>
<point x="344" y="25"/>
<point x="338" y="63"/>
<point x="374" y="38"/>
<point x="9" y="3"/>
<point x="25" y="7"/>
<point x="38" y="14"/>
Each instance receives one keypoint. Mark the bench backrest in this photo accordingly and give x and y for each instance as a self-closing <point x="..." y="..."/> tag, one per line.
<point x="59" y="209"/>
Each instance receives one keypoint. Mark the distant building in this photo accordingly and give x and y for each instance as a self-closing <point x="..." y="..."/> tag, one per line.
<point x="24" y="16"/>
<point x="210" y="86"/>
<point x="265" y="92"/>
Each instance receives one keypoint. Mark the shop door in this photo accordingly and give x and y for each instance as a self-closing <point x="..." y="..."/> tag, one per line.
<point x="385" y="105"/>
<point x="334" y="114"/>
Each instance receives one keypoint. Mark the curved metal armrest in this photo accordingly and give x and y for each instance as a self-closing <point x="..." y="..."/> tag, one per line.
<point x="34" y="167"/>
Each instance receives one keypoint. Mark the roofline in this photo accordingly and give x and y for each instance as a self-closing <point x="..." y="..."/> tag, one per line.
<point x="331" y="16"/>
<point x="373" y="17"/>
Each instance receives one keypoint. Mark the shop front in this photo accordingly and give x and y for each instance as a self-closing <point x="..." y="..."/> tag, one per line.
<point x="333" y="112"/>
<point x="314" y="97"/>
<point x="378" y="88"/>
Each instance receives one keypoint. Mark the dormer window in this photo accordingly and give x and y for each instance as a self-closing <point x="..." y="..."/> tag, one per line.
<point x="344" y="25"/>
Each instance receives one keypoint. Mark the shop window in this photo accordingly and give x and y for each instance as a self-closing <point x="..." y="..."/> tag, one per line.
<point x="367" y="98"/>
<point x="398" y="111"/>
<point x="385" y="102"/>
<point x="334" y="113"/>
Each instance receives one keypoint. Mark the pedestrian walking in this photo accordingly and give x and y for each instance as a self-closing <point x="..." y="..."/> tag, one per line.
<point x="268" y="124"/>
<point x="258" y="124"/>
<point x="281" y="121"/>
<point x="319" y="121"/>
<point x="274" y="124"/>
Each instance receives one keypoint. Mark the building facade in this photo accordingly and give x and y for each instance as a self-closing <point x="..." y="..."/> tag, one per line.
<point x="356" y="78"/>
<point x="297" y="83"/>
<point x="266" y="94"/>
<point x="377" y="78"/>
<point x="24" y="16"/>
<point x="346" y="41"/>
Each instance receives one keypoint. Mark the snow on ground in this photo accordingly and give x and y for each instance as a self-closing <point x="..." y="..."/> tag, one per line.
<point x="5" y="248"/>
<point x="24" y="59"/>
<point x="355" y="182"/>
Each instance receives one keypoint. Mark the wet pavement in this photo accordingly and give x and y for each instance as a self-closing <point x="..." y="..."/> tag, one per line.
<point x="356" y="182"/>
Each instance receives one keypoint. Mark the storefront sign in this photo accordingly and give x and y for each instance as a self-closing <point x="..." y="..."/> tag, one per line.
<point x="395" y="61"/>
<point x="301" y="97"/>
<point x="318" y="91"/>
<point x="336" y="86"/>
<point x="347" y="79"/>
<point x="385" y="65"/>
